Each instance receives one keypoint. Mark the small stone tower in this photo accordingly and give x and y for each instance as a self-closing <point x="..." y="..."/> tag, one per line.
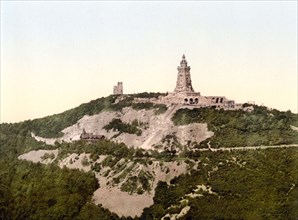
<point x="183" y="79"/>
<point x="118" y="89"/>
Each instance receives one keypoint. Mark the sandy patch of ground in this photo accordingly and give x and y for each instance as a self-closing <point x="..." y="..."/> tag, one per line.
<point x="92" y="124"/>
<point x="74" y="161"/>
<point x="183" y="212"/>
<point x="193" y="132"/>
<point x="123" y="203"/>
<point x="168" y="170"/>
<point x="36" y="156"/>
<point x="294" y="127"/>
<point x="204" y="189"/>
<point x="49" y="141"/>
<point x="200" y="188"/>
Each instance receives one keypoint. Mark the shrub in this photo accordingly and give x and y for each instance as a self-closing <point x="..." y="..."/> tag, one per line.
<point x="96" y="167"/>
<point x="48" y="156"/>
<point x="85" y="161"/>
<point x="117" y="125"/>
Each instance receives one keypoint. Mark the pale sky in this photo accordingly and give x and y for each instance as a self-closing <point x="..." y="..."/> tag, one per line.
<point x="57" y="55"/>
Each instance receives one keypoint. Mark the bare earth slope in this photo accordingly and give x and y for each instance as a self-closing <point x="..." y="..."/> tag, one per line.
<point x="157" y="127"/>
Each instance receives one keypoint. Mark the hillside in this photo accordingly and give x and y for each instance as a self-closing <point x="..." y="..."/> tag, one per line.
<point x="156" y="162"/>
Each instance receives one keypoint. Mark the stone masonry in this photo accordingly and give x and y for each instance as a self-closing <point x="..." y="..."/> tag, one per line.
<point x="183" y="83"/>
<point x="185" y="94"/>
<point x="118" y="89"/>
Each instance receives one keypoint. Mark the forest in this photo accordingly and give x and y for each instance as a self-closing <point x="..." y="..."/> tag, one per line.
<point x="255" y="184"/>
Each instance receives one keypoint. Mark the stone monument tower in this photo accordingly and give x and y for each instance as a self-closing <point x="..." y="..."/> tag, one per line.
<point x="185" y="94"/>
<point x="183" y="79"/>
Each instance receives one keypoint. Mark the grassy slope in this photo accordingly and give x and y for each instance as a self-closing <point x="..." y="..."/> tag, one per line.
<point x="239" y="128"/>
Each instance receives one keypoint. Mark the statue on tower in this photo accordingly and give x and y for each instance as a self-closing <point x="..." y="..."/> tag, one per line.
<point x="183" y="61"/>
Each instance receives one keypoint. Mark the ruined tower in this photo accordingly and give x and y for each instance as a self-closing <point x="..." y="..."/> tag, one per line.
<point x="183" y="79"/>
<point x="118" y="89"/>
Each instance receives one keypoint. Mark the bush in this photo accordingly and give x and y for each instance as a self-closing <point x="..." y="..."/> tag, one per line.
<point x="117" y="125"/>
<point x="85" y="161"/>
<point x="96" y="167"/>
<point x="159" y="108"/>
<point x="50" y="156"/>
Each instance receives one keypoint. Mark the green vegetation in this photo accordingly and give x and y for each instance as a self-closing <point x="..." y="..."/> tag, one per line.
<point x="144" y="178"/>
<point x="109" y="161"/>
<point x="104" y="147"/>
<point x="51" y="126"/>
<point x="96" y="212"/>
<point x="35" y="191"/>
<point x="85" y="161"/>
<point x="159" y="108"/>
<point x="136" y="184"/>
<point x="239" y="128"/>
<point x="259" y="184"/>
<point x="130" y="185"/>
<point x="117" y="125"/>
<point x="171" y="144"/>
<point x="96" y="167"/>
<point x="50" y="156"/>
<point x="149" y="95"/>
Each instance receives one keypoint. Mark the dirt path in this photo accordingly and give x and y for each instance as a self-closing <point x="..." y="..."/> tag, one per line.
<point x="162" y="126"/>
<point x="247" y="148"/>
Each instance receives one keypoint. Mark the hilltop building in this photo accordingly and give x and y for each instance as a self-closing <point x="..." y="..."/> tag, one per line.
<point x="118" y="89"/>
<point x="185" y="94"/>
<point x="183" y="84"/>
